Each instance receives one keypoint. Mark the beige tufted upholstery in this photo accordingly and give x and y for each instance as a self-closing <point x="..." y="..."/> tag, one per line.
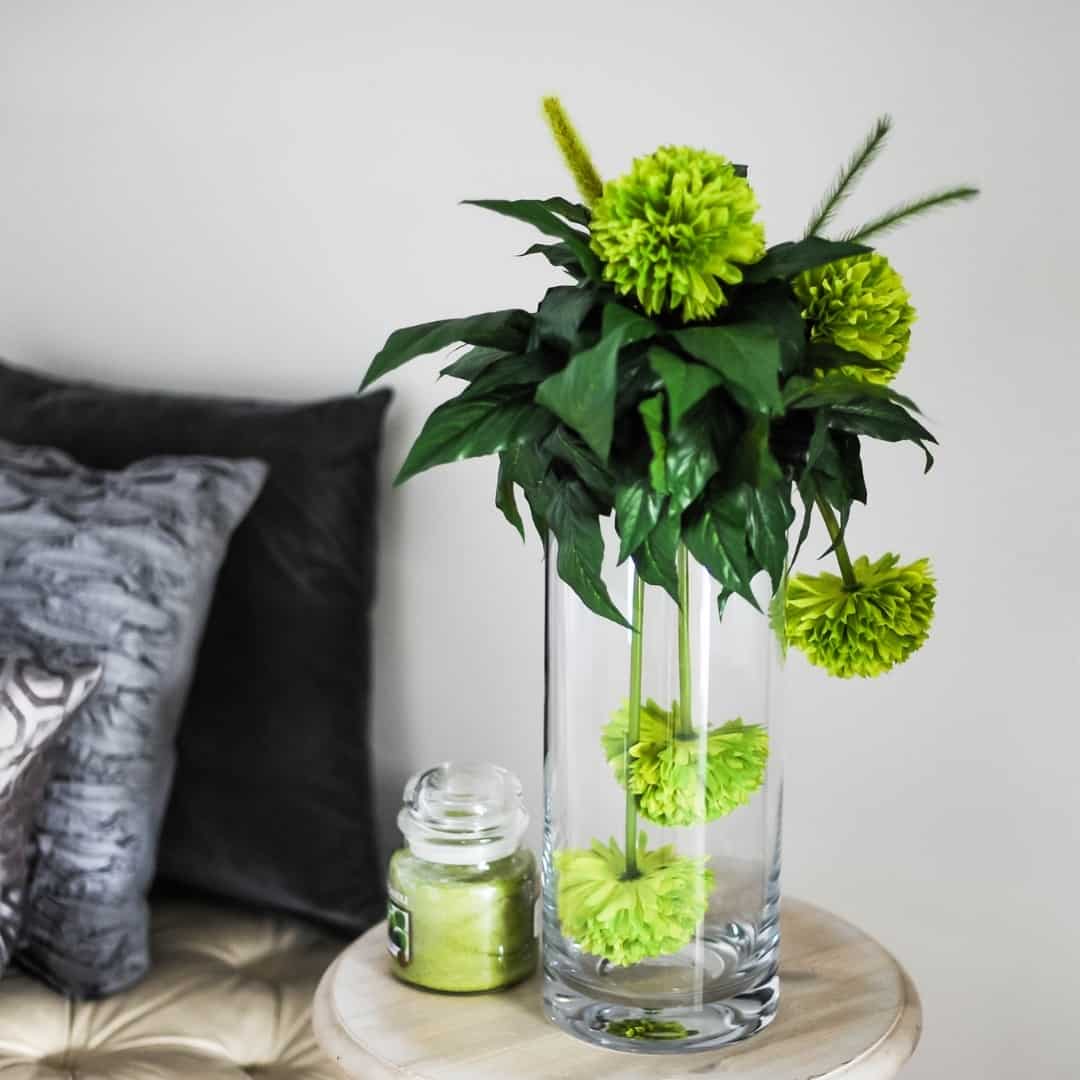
<point x="229" y="996"/>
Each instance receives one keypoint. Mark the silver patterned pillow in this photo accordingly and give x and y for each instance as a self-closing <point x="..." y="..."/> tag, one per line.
<point x="37" y="700"/>
<point x="121" y="566"/>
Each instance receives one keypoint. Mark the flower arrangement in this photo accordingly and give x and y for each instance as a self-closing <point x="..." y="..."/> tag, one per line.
<point x="693" y="384"/>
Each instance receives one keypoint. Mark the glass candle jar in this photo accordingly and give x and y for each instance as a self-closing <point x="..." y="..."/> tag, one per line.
<point x="463" y="893"/>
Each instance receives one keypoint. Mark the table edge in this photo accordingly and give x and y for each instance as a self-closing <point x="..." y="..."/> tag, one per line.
<point x="882" y="1061"/>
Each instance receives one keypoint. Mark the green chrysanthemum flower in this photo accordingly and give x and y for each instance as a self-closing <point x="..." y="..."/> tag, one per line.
<point x="859" y="304"/>
<point x="867" y="629"/>
<point x="665" y="767"/>
<point x="627" y="919"/>
<point x="676" y="228"/>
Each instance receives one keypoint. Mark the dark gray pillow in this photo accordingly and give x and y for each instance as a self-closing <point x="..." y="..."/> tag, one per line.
<point x="272" y="803"/>
<point x="122" y="565"/>
<point x="36" y="703"/>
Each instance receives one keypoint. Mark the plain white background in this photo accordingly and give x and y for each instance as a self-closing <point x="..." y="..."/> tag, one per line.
<point x="248" y="197"/>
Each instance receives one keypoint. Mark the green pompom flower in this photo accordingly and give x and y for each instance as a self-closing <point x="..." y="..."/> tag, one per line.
<point x="675" y="228"/>
<point x="666" y="773"/>
<point x="866" y="629"/>
<point x="859" y="304"/>
<point x="628" y="919"/>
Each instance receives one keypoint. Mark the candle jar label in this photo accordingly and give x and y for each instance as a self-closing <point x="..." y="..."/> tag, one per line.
<point x="399" y="933"/>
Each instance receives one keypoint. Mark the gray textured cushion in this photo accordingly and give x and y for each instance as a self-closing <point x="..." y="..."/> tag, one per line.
<point x="122" y="565"/>
<point x="36" y="702"/>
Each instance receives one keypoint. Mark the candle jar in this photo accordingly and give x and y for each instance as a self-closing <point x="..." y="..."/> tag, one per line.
<point x="461" y="913"/>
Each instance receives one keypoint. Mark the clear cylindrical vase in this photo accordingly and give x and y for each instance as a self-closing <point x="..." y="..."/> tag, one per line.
<point x="661" y="857"/>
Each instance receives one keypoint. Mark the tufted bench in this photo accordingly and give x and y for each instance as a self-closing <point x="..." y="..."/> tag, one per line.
<point x="229" y="996"/>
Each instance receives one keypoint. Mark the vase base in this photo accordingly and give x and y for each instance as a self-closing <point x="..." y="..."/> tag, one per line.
<point x="675" y="1030"/>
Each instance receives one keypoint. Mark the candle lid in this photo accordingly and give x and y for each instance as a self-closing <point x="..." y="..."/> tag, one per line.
<point x="463" y="814"/>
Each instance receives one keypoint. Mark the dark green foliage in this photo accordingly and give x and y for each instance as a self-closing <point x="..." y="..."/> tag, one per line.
<point x="698" y="434"/>
<point x="793" y="257"/>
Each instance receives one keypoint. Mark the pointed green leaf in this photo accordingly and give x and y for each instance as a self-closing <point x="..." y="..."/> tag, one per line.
<point x="525" y="370"/>
<point x="575" y="212"/>
<point x="582" y="395"/>
<point x="561" y="313"/>
<point x="769" y="517"/>
<point x="835" y="389"/>
<point x="716" y="537"/>
<point x="564" y="446"/>
<point x="882" y="420"/>
<point x="504" y="497"/>
<point x="580" y="548"/>
<point x="535" y="212"/>
<point x="474" y="362"/>
<point x="507" y="330"/>
<point x="655" y="558"/>
<point x="751" y="460"/>
<point x="652" y="415"/>
<point x="560" y="256"/>
<point x="637" y="512"/>
<point x="686" y="383"/>
<point x="472" y="427"/>
<point x="776" y="305"/>
<point x="747" y="358"/>
<point x="791" y="258"/>
<point x="691" y="460"/>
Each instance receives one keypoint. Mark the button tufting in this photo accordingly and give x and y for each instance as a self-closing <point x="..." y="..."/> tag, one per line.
<point x="227" y="989"/>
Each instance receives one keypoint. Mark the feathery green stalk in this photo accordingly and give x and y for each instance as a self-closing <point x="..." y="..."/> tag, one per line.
<point x="686" y="689"/>
<point x="573" y="151"/>
<point x="842" y="186"/>
<point x="916" y="208"/>
<point x="633" y="725"/>
<point x="843" y="559"/>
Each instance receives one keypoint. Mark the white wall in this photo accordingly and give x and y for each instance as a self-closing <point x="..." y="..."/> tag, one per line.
<point x="248" y="196"/>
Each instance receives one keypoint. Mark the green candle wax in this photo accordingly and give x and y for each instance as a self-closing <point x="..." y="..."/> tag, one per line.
<point x="463" y="928"/>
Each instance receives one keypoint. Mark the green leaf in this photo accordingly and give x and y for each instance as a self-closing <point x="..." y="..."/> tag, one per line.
<point x="654" y="559"/>
<point x="504" y="497"/>
<point x="580" y="555"/>
<point x="793" y="257"/>
<point x="506" y="330"/>
<point x="582" y="395"/>
<point x="776" y="305"/>
<point x="717" y="539"/>
<point x="561" y="313"/>
<point x="686" y="383"/>
<point x="474" y="362"/>
<point x="564" y="446"/>
<point x="882" y="420"/>
<point x="637" y="511"/>
<point x="536" y="212"/>
<point x="528" y="465"/>
<point x="575" y="212"/>
<point x="560" y="256"/>
<point x="472" y="427"/>
<point x="769" y="517"/>
<point x="528" y="369"/>
<point x="807" y="492"/>
<point x="652" y="415"/>
<point x="691" y="460"/>
<point x="751" y="460"/>
<point x="803" y="392"/>
<point x="747" y="358"/>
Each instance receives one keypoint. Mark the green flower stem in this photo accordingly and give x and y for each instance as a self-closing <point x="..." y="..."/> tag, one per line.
<point x="843" y="559"/>
<point x="686" y="725"/>
<point x="633" y="729"/>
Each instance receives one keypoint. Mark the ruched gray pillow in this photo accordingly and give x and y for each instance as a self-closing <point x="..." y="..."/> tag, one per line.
<point x="38" y="698"/>
<point x="120" y="565"/>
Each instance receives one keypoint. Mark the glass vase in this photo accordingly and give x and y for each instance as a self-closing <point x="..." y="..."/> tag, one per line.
<point x="674" y="946"/>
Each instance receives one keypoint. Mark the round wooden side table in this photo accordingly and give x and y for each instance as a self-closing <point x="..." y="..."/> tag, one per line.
<point x="847" y="1009"/>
